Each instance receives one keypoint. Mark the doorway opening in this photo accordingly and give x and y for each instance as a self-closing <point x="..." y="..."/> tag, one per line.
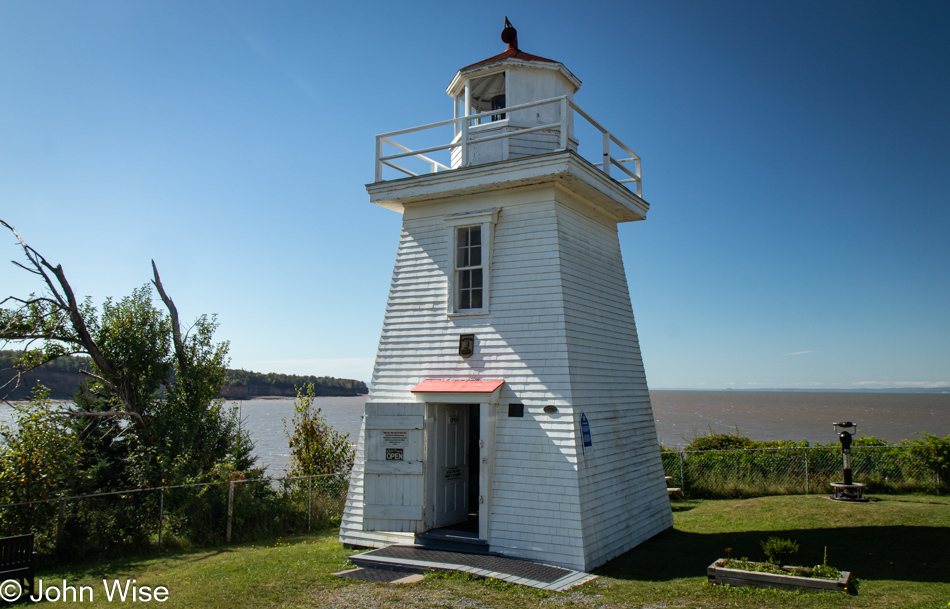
<point x="453" y="470"/>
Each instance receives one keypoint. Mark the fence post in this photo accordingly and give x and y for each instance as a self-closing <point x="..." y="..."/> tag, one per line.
<point x="230" y="507"/>
<point x="161" y="514"/>
<point x="60" y="523"/>
<point x="309" y="509"/>
<point x="806" y="470"/>
<point x="682" y="479"/>
<point x="937" y="468"/>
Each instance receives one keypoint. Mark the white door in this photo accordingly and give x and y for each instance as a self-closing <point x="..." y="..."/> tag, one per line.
<point x="392" y="468"/>
<point x="447" y="464"/>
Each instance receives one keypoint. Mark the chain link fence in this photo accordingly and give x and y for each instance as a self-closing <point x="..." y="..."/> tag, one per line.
<point x="801" y="470"/>
<point x="178" y="516"/>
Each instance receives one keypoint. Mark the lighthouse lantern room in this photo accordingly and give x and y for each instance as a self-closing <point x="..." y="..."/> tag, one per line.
<point x="509" y="410"/>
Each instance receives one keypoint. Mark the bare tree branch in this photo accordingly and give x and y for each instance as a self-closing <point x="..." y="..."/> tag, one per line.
<point x="29" y="301"/>
<point x="26" y="268"/>
<point x="66" y="301"/>
<point x="109" y="414"/>
<point x="98" y="378"/>
<point x="173" y="313"/>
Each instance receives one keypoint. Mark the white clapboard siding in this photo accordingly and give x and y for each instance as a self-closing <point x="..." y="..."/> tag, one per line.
<point x="536" y="142"/>
<point x="560" y="332"/>
<point x="622" y="490"/>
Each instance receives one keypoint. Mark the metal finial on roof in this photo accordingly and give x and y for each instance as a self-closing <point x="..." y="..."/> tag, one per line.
<point x="509" y="35"/>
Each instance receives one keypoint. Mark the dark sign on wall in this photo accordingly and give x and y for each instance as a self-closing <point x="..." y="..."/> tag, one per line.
<point x="585" y="431"/>
<point x="466" y="345"/>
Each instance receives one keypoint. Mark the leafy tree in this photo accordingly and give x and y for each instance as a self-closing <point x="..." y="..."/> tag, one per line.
<point x="148" y="413"/>
<point x="315" y="447"/>
<point x="39" y="457"/>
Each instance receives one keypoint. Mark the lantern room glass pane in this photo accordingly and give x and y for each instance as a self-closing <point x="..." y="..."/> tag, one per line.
<point x="488" y="93"/>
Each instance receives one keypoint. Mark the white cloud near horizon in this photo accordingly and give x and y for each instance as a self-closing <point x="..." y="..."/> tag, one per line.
<point x="917" y="384"/>
<point x="359" y="368"/>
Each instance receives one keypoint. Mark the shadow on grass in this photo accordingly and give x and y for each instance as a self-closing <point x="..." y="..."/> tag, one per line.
<point x="108" y="567"/>
<point x="904" y="553"/>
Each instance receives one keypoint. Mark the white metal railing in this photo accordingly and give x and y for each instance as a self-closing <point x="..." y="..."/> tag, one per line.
<point x="463" y="140"/>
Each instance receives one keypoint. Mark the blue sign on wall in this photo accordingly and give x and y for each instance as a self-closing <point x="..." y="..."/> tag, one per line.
<point x="585" y="431"/>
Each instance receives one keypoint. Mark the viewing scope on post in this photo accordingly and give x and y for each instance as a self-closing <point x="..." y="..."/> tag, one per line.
<point x="847" y="490"/>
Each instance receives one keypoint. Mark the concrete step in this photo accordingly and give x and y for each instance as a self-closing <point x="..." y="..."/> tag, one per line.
<point x="452" y="541"/>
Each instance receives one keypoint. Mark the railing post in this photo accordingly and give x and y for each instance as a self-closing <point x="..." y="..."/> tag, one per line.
<point x="466" y="111"/>
<point x="309" y="508"/>
<point x="464" y="162"/>
<point x="230" y="507"/>
<point x="606" y="163"/>
<point x="379" y="154"/>
<point x="636" y="165"/>
<point x="565" y="123"/>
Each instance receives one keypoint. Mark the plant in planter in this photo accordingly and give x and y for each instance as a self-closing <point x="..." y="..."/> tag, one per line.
<point x="779" y="550"/>
<point x="775" y="574"/>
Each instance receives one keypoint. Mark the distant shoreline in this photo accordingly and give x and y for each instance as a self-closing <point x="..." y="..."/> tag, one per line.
<point x="938" y="390"/>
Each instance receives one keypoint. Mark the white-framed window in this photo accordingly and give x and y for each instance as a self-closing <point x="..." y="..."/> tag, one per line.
<point x="469" y="239"/>
<point x="469" y="271"/>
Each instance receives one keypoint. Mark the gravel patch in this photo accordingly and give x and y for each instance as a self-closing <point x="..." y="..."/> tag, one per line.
<point x="375" y="596"/>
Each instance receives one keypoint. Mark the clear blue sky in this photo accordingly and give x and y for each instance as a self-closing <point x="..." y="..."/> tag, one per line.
<point x="796" y="156"/>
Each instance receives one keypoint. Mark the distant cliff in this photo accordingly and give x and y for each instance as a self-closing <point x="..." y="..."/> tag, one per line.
<point x="243" y="384"/>
<point x="62" y="376"/>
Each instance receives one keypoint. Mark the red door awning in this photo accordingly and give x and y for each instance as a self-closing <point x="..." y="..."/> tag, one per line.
<point x="458" y="386"/>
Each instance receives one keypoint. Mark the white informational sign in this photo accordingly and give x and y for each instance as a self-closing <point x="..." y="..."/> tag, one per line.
<point x="395" y="438"/>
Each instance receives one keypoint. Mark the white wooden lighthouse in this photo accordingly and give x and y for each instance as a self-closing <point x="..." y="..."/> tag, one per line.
<point x="509" y="407"/>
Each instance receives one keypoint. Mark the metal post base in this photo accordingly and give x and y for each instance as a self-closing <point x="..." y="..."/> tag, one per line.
<point x="848" y="492"/>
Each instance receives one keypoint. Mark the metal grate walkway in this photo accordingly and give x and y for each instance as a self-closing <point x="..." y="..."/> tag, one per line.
<point x="417" y="559"/>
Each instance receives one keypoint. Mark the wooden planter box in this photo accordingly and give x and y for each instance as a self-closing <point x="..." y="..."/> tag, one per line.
<point x="738" y="577"/>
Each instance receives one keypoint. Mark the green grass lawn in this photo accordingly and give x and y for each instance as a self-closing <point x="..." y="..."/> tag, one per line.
<point x="898" y="547"/>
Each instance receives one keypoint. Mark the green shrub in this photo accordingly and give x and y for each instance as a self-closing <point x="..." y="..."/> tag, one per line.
<point x="719" y="441"/>
<point x="779" y="550"/>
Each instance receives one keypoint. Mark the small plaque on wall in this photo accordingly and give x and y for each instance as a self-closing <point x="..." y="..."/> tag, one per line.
<point x="395" y="438"/>
<point x="586" y="440"/>
<point x="394" y="454"/>
<point x="466" y="345"/>
<point x="453" y="473"/>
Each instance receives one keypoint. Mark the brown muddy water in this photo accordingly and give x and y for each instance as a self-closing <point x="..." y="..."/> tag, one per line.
<point x="680" y="416"/>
